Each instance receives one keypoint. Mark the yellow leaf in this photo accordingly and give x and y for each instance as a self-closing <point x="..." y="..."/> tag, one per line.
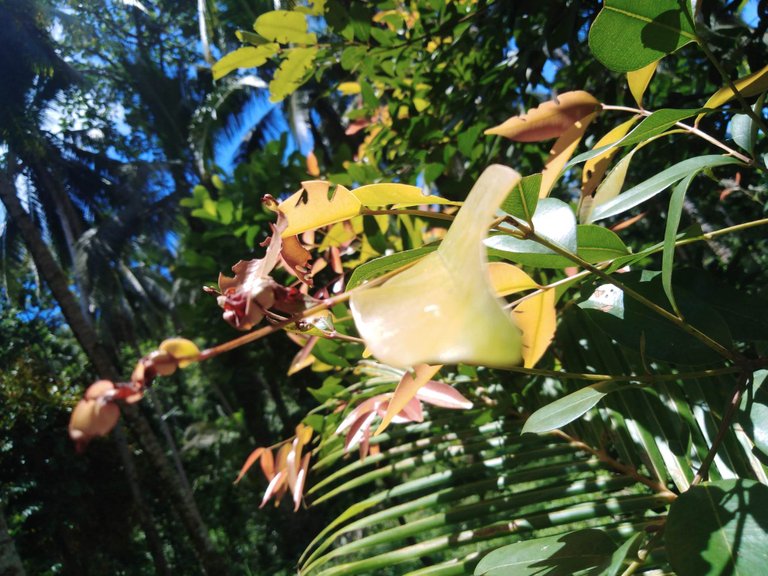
<point x="638" y="81"/>
<point x="561" y="152"/>
<point x="608" y="189"/>
<point x="595" y="168"/>
<point x="310" y="207"/>
<point x="550" y="119"/>
<point x="385" y="194"/>
<point x="443" y="309"/>
<point x="246" y="57"/>
<point x="537" y="320"/>
<point x="349" y="88"/>
<point x="406" y="390"/>
<point x="507" y="278"/>
<point x="748" y="86"/>
<point x="180" y="348"/>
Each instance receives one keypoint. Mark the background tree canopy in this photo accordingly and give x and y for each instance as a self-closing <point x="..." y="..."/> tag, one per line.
<point x="514" y="253"/>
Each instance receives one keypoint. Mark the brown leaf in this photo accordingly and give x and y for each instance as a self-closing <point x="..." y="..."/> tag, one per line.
<point x="550" y="119"/>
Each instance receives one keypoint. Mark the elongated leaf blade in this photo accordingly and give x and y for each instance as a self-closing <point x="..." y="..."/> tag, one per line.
<point x="568" y="408"/>
<point x="670" y="235"/>
<point x="658" y="184"/>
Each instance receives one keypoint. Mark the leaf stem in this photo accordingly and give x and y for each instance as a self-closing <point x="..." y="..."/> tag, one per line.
<point x="616" y="465"/>
<point x="725" y="424"/>
<point x="692" y="330"/>
<point x="691" y="129"/>
<point x="739" y="96"/>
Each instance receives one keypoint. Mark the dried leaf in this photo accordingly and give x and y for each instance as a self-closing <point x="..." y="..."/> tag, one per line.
<point x="406" y="391"/>
<point x="443" y="309"/>
<point x="550" y="119"/>
<point x="537" y="319"/>
<point x="561" y="152"/>
<point x="442" y="395"/>
<point x="250" y="461"/>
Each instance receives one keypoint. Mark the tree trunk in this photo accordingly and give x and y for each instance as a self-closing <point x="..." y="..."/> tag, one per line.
<point x="83" y="331"/>
<point x="10" y="562"/>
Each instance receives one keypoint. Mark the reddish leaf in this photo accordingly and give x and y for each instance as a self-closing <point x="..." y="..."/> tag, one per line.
<point x="443" y="395"/>
<point x="250" y="461"/>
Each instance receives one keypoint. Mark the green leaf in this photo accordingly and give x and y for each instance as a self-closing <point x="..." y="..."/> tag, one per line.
<point x="744" y="128"/>
<point x="379" y="266"/>
<point x="670" y="235"/>
<point x="293" y="72"/>
<point x="568" y="408"/>
<point x="719" y="528"/>
<point x="630" y="34"/>
<point x="521" y="203"/>
<point x="553" y="220"/>
<point x="658" y="183"/>
<point x="561" y="555"/>
<point x="598" y="244"/>
<point x="657" y="123"/>
<point x="594" y="244"/>
<point x="247" y="57"/>
<point x="622" y="555"/>
<point x="754" y="416"/>
<point x="284" y="26"/>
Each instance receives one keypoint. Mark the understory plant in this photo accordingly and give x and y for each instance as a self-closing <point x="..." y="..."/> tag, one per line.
<point x="517" y="383"/>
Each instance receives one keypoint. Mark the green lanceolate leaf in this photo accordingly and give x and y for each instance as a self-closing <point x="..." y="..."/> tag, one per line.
<point x="623" y="556"/>
<point x="521" y="203"/>
<point x="385" y="264"/>
<point x="561" y="555"/>
<point x="754" y="416"/>
<point x="569" y="408"/>
<point x="630" y="34"/>
<point x="247" y="57"/>
<point x="292" y="73"/>
<point x="657" y="184"/>
<point x="653" y="125"/>
<point x="719" y="528"/>
<point x="670" y="235"/>
<point x="284" y="26"/>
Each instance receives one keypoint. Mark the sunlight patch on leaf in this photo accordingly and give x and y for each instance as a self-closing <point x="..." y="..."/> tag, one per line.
<point x="638" y="81"/>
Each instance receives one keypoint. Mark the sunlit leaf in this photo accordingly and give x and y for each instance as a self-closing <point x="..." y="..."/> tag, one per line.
<point x="748" y="86"/>
<point x="568" y="408"/>
<point x="443" y="309"/>
<point x="315" y="205"/>
<point x="521" y="202"/>
<point x="406" y="391"/>
<point x="537" y="319"/>
<point x="561" y="554"/>
<point x="284" y="26"/>
<point x="379" y="266"/>
<point x="553" y="221"/>
<point x="246" y="57"/>
<point x="508" y="279"/>
<point x="561" y="152"/>
<point x="443" y="395"/>
<point x="595" y="168"/>
<point x="550" y="119"/>
<point x="293" y="72"/>
<point x="384" y="194"/>
<point x="719" y="528"/>
<point x="638" y="81"/>
<point x="181" y="348"/>
<point x="630" y="34"/>
<point x="349" y="88"/>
